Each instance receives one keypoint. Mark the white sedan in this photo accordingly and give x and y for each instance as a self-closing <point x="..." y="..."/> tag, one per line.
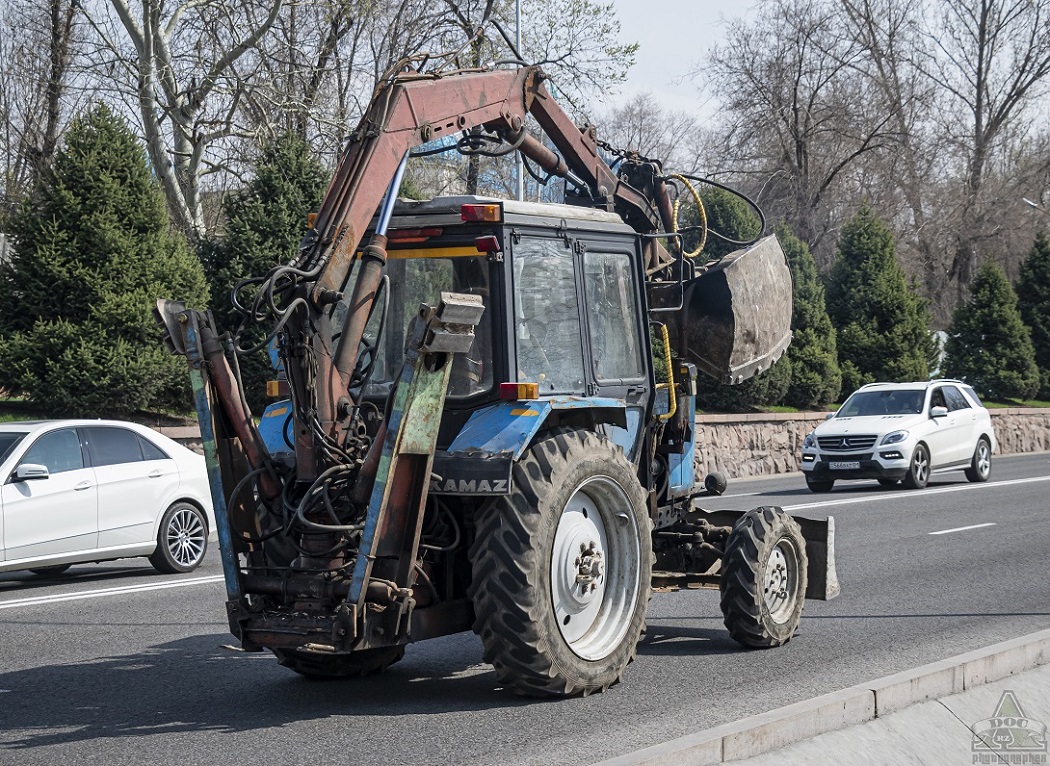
<point x="77" y="491"/>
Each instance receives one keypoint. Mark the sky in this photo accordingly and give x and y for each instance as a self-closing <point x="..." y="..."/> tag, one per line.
<point x="674" y="37"/>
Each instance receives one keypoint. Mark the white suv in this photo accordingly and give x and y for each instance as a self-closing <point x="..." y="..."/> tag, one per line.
<point x="901" y="432"/>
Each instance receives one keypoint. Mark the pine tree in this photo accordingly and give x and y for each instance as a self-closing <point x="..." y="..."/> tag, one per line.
<point x="1033" y="299"/>
<point x="265" y="224"/>
<point x="989" y="345"/>
<point x="882" y="324"/>
<point x="92" y="255"/>
<point x="728" y="215"/>
<point x="815" y="375"/>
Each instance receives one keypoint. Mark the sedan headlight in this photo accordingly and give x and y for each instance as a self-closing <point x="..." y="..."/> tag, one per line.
<point x="894" y="437"/>
<point x="810" y="441"/>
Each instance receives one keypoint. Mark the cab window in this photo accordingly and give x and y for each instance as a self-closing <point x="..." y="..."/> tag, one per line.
<point x="612" y="316"/>
<point x="416" y="278"/>
<point x="547" y="317"/>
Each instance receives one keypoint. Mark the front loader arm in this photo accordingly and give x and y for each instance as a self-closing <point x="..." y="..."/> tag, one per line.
<point x="414" y="109"/>
<point x="405" y="113"/>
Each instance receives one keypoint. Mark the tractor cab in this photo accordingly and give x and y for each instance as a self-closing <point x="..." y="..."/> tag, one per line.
<point x="564" y="307"/>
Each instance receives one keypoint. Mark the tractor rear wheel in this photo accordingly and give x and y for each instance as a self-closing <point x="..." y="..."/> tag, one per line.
<point x="318" y="665"/>
<point x="562" y="568"/>
<point x="763" y="582"/>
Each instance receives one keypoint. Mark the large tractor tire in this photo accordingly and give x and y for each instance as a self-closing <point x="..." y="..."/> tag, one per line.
<point x="319" y="666"/>
<point x="562" y="569"/>
<point x="763" y="583"/>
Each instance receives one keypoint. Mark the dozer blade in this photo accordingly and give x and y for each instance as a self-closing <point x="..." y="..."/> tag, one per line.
<point x="736" y="317"/>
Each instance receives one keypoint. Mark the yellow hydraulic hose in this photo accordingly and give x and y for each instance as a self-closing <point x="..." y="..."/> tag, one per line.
<point x="671" y="396"/>
<point x="700" y="210"/>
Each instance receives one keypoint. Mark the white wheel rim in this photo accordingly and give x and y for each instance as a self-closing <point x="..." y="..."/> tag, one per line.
<point x="594" y="568"/>
<point x="922" y="466"/>
<point x="780" y="583"/>
<point x="185" y="537"/>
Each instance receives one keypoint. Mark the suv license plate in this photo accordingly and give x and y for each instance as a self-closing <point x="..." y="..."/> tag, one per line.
<point x="844" y="465"/>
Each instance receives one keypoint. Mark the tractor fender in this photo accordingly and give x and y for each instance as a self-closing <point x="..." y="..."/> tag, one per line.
<point x="480" y="458"/>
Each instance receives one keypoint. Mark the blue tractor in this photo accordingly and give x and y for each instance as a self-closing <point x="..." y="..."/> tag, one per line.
<point x="489" y="411"/>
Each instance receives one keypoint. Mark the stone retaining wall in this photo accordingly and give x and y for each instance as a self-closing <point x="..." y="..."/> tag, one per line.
<point x="762" y="445"/>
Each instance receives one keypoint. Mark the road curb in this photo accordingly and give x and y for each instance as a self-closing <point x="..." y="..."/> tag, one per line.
<point x="847" y="707"/>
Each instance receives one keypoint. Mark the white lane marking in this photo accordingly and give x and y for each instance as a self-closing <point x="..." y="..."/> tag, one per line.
<point x="102" y="593"/>
<point x="917" y="494"/>
<point x="963" y="529"/>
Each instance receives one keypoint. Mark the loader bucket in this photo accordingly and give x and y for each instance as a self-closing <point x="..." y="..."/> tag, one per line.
<point x="736" y="317"/>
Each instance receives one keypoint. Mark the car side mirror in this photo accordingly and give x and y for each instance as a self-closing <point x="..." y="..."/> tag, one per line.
<point x="31" y="472"/>
<point x="829" y="416"/>
<point x="939" y="412"/>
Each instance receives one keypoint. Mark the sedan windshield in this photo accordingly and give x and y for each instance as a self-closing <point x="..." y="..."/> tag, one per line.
<point x="8" y="441"/>
<point x="875" y="403"/>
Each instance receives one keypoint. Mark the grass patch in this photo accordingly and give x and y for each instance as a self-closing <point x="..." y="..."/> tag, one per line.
<point x="14" y="409"/>
<point x="1011" y="403"/>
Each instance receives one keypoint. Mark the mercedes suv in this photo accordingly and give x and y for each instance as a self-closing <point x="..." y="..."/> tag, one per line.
<point x="901" y="432"/>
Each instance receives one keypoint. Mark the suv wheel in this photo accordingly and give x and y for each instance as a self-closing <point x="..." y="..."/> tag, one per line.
<point x="820" y="486"/>
<point x="918" y="475"/>
<point x="981" y="465"/>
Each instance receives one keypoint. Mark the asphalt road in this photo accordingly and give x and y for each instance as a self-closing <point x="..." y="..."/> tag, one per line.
<point x="114" y="664"/>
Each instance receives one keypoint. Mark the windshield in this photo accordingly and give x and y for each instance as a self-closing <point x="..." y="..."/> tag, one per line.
<point x="875" y="403"/>
<point x="421" y="278"/>
<point x="8" y="441"/>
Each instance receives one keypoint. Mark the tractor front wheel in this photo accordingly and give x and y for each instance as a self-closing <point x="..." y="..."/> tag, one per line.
<point x="763" y="584"/>
<point x="562" y="568"/>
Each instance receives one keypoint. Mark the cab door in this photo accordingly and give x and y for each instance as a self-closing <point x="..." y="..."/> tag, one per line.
<point x="616" y="334"/>
<point x="56" y="515"/>
<point x="578" y="325"/>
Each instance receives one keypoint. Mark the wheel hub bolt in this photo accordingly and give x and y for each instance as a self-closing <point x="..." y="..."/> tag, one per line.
<point x="589" y="566"/>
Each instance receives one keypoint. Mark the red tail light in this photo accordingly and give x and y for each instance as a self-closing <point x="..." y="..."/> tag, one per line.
<point x="487" y="244"/>
<point x="480" y="213"/>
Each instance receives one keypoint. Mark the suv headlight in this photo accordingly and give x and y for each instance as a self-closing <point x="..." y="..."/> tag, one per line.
<point x="894" y="437"/>
<point x="810" y="441"/>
